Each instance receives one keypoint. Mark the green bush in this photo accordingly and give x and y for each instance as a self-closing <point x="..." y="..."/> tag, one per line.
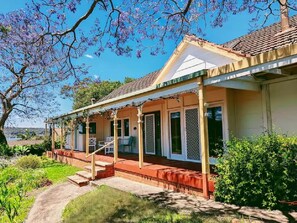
<point x="29" y="162"/>
<point x="5" y="150"/>
<point x="260" y="172"/>
<point x="14" y="184"/>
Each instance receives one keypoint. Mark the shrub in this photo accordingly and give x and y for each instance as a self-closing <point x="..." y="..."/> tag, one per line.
<point x="258" y="172"/>
<point x="5" y="150"/>
<point x="14" y="184"/>
<point x="29" y="162"/>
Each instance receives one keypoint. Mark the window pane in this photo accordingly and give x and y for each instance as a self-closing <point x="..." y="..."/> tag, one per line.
<point x="126" y="127"/>
<point x="175" y="133"/>
<point x="215" y="131"/>
<point x="111" y="128"/>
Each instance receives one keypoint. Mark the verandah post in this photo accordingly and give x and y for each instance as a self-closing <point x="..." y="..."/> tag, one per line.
<point x="62" y="135"/>
<point x="87" y="135"/>
<point x="72" y="135"/>
<point x="53" y="136"/>
<point x="203" y="137"/>
<point x="115" y="135"/>
<point x="140" y="135"/>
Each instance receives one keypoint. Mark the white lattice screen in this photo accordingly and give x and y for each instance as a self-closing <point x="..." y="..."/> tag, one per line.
<point x="192" y="134"/>
<point x="149" y="138"/>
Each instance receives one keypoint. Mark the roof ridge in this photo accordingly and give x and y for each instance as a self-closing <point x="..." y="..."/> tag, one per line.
<point x="137" y="84"/>
<point x="258" y="30"/>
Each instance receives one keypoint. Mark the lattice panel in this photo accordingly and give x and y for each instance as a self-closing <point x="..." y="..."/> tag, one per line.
<point x="192" y="134"/>
<point x="149" y="134"/>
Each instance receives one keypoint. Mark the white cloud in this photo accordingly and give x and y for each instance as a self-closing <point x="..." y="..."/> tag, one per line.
<point x="89" y="56"/>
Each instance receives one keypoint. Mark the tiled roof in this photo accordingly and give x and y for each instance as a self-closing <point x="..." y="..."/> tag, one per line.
<point x="265" y="39"/>
<point x="133" y="86"/>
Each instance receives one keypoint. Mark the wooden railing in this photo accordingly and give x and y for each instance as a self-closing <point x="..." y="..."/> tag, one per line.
<point x="93" y="158"/>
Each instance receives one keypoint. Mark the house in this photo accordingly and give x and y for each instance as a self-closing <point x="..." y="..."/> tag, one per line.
<point x="180" y="115"/>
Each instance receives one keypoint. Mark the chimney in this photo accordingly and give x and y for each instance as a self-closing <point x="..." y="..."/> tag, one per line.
<point x="284" y="15"/>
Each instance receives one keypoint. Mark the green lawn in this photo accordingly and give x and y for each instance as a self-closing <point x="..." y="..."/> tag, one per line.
<point x="58" y="172"/>
<point x="110" y="205"/>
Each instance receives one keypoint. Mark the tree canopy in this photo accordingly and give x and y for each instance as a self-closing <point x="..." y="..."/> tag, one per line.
<point x="148" y="24"/>
<point x="31" y="67"/>
<point x="88" y="90"/>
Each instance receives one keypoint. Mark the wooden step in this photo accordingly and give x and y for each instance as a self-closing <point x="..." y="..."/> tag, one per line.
<point x="103" y="164"/>
<point x="78" y="180"/>
<point x="97" y="169"/>
<point x="84" y="174"/>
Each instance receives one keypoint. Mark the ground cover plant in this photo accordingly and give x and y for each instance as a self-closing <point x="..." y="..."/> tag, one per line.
<point x="106" y="204"/>
<point x="19" y="178"/>
<point x="261" y="171"/>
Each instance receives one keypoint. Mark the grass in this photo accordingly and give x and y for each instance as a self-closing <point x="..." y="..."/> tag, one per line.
<point x="58" y="172"/>
<point x="106" y="204"/>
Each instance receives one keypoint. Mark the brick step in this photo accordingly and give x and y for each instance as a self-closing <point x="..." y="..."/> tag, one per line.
<point x="78" y="180"/>
<point x="103" y="164"/>
<point x="84" y="174"/>
<point x="97" y="169"/>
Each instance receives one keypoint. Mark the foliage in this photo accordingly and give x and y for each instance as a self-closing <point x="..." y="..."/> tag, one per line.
<point x="14" y="184"/>
<point x="27" y="135"/>
<point x="85" y="91"/>
<point x="149" y="24"/>
<point x="29" y="162"/>
<point x="58" y="172"/>
<point x="258" y="172"/>
<point x="119" y="206"/>
<point x="5" y="150"/>
<point x="31" y="63"/>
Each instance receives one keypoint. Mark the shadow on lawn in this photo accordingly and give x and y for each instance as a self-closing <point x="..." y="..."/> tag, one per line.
<point x="197" y="206"/>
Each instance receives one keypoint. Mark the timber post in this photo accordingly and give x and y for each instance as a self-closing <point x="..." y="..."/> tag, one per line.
<point x="87" y="136"/>
<point x="203" y="137"/>
<point x="53" y="137"/>
<point x="62" y="135"/>
<point x="140" y="135"/>
<point x="72" y="135"/>
<point x="115" y="134"/>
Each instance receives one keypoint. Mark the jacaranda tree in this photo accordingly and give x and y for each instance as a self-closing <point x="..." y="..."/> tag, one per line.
<point x="37" y="45"/>
<point x="31" y="66"/>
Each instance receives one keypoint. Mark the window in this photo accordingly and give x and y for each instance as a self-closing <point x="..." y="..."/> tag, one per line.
<point x="92" y="130"/>
<point x="176" y="147"/>
<point x="122" y="127"/>
<point x="215" y="131"/>
<point x="126" y="127"/>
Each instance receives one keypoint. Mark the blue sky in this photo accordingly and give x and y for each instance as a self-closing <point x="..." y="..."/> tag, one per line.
<point x="111" y="67"/>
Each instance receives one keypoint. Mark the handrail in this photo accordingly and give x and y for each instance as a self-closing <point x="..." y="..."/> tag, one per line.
<point x="93" y="157"/>
<point x="101" y="148"/>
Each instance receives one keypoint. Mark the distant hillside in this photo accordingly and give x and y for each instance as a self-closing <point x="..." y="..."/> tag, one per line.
<point x="14" y="131"/>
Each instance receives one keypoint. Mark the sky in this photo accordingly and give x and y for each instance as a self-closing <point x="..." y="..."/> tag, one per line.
<point x="112" y="67"/>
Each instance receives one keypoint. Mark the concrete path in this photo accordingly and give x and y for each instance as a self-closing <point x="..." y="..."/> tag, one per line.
<point x="187" y="203"/>
<point x="49" y="205"/>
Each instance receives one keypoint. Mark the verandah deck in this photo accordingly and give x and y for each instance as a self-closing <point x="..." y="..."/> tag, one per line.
<point x="171" y="174"/>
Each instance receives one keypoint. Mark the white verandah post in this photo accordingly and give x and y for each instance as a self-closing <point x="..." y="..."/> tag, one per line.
<point x="140" y="135"/>
<point x="115" y="136"/>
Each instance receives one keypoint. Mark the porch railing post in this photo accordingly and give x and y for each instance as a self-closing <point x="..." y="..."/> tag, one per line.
<point x="140" y="135"/>
<point x="87" y="135"/>
<point x="93" y="166"/>
<point x="115" y="134"/>
<point x="53" y="136"/>
<point x="203" y="137"/>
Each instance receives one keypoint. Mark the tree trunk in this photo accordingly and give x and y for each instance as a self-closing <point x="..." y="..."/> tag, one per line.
<point x="2" y="136"/>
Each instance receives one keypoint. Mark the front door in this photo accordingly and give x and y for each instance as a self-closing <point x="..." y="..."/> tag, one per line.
<point x="149" y="134"/>
<point x="175" y="135"/>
